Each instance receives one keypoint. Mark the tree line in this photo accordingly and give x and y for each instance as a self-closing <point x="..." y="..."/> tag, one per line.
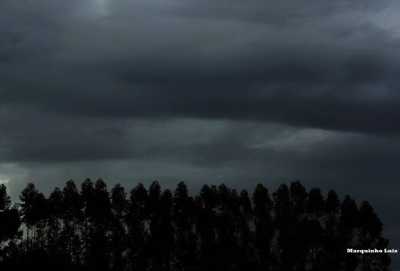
<point x="92" y="228"/>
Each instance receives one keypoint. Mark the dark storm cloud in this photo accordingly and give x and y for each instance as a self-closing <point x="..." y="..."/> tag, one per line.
<point x="353" y="94"/>
<point x="287" y="13"/>
<point x="73" y="74"/>
<point x="40" y="138"/>
<point x="344" y="86"/>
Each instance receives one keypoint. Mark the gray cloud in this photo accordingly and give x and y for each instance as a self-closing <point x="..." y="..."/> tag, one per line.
<point x="163" y="68"/>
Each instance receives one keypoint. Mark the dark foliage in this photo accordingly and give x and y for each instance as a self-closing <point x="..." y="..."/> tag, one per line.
<point x="155" y="229"/>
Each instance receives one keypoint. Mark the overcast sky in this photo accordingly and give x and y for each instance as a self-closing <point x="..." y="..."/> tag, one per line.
<point x="202" y="91"/>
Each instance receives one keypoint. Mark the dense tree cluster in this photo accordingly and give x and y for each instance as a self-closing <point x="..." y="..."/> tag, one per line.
<point x="218" y="229"/>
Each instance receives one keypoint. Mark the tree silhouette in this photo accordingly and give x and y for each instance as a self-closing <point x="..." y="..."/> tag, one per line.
<point x="167" y="238"/>
<point x="285" y="226"/>
<point x="226" y="217"/>
<point x="183" y="215"/>
<point x="206" y="204"/>
<point x="370" y="230"/>
<point x="118" y="241"/>
<point x="72" y="217"/>
<point x="87" y="196"/>
<point x="56" y="205"/>
<point x="245" y="237"/>
<point x="218" y="229"/>
<point x="30" y="213"/>
<point x="264" y="230"/>
<point x="331" y="240"/>
<point x="99" y="258"/>
<point x="136" y="220"/>
<point x="9" y="225"/>
<point x="348" y="233"/>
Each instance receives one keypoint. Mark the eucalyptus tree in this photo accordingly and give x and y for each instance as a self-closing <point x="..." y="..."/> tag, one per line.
<point x="118" y="241"/>
<point x="226" y="228"/>
<point x="315" y="210"/>
<point x="245" y="237"/>
<point x="370" y="236"/>
<point x="5" y="201"/>
<point x="161" y="234"/>
<point x="285" y="224"/>
<point x="264" y="229"/>
<point x="137" y="234"/>
<point x="99" y="256"/>
<point x="348" y="233"/>
<point x="10" y="223"/>
<point x="72" y="221"/>
<point x="166" y="241"/>
<point x="31" y="213"/>
<point x="88" y="205"/>
<point x="206" y="204"/>
<point x="299" y="221"/>
<point x="9" y="218"/>
<point x="41" y="214"/>
<point x="183" y="217"/>
<point x="331" y="235"/>
<point x="154" y="222"/>
<point x="55" y="224"/>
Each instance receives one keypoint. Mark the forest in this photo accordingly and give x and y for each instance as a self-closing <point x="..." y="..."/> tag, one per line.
<point x="93" y="228"/>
